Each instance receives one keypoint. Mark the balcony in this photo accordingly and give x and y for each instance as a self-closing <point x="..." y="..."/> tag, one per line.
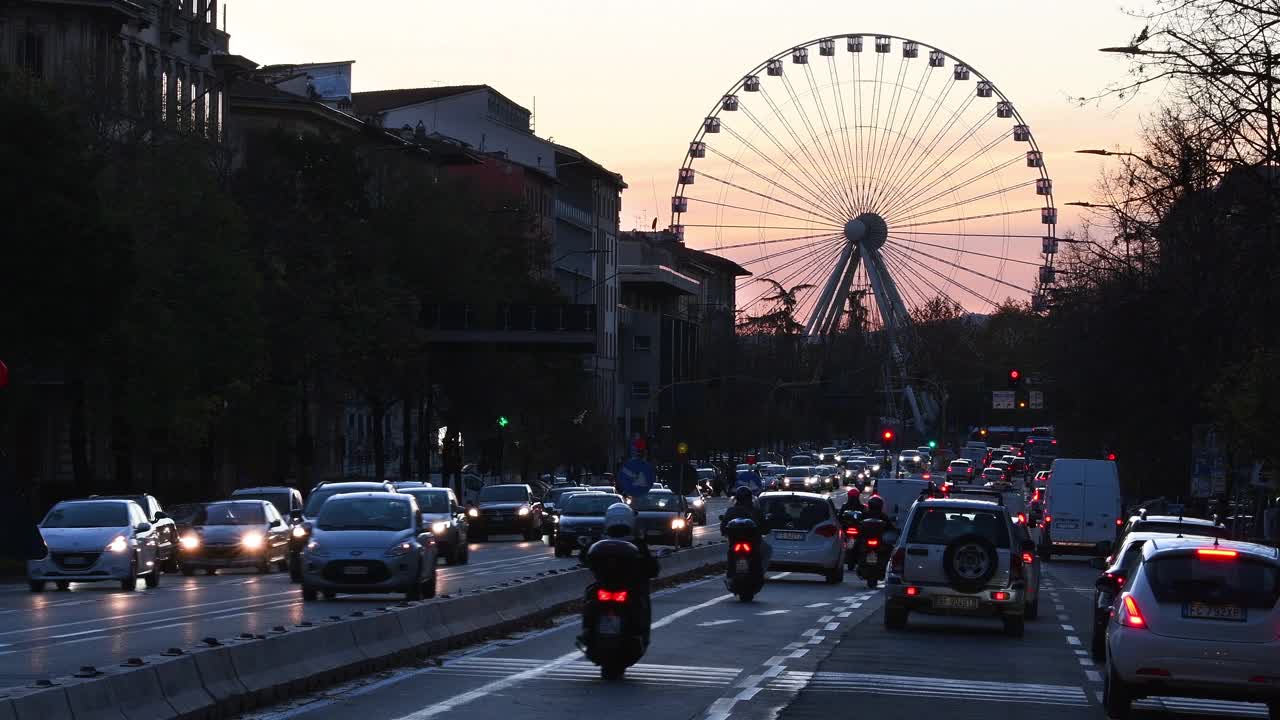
<point x="573" y="214"/>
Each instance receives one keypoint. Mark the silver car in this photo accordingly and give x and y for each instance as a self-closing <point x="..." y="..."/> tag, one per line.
<point x="369" y="542"/>
<point x="447" y="521"/>
<point x="804" y="534"/>
<point x="95" y="540"/>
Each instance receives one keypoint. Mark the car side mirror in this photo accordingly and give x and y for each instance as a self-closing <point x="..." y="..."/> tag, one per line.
<point x="160" y="515"/>
<point x="276" y="522"/>
<point x="1028" y="547"/>
<point x="1097" y="563"/>
<point x="142" y="527"/>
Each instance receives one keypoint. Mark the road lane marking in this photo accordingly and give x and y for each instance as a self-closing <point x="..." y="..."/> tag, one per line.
<point x="1069" y="628"/>
<point x="1093" y="675"/>
<point x="826" y="618"/>
<point x="773" y="612"/>
<point x="810" y="633"/>
<point x="817" y="605"/>
<point x="844" y="614"/>
<point x="713" y="623"/>
<point x="1073" y="640"/>
<point x="817" y="639"/>
<point x="177" y="609"/>
<point x="831" y="626"/>
<point x="1064" y="616"/>
<point x="1063" y="695"/>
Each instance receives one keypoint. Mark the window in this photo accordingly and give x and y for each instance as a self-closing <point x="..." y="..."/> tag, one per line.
<point x="640" y="391"/>
<point x="641" y="343"/>
<point x="31" y="53"/>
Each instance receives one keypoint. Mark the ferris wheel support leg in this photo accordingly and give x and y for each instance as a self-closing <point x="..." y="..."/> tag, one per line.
<point x="913" y="404"/>
<point x="820" y="310"/>
<point x="841" y="296"/>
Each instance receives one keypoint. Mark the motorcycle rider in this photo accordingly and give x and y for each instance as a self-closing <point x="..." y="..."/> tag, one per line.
<point x="619" y="524"/>
<point x="875" y="511"/>
<point x="744" y="505"/>
<point x="853" y="502"/>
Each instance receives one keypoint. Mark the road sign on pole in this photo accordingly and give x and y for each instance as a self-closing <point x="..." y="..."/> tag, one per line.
<point x="1037" y="399"/>
<point x="636" y="477"/>
<point x="1003" y="399"/>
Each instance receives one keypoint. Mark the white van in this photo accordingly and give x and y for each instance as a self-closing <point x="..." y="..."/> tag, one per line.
<point x="1082" y="505"/>
<point x="899" y="494"/>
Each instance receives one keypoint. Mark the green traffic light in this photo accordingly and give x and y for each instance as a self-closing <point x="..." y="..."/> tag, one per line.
<point x="933" y="444"/>
<point x="503" y="421"/>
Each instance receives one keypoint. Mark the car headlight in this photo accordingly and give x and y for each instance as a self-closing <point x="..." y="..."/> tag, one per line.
<point x="555" y="518"/>
<point x="189" y="542"/>
<point x="472" y="512"/>
<point x="399" y="549"/>
<point x="439" y="527"/>
<point x="677" y="524"/>
<point x="698" y="503"/>
<point x="299" y="531"/>
<point x="524" y="510"/>
<point x="118" y="545"/>
<point x="252" y="540"/>
<point x="313" y="548"/>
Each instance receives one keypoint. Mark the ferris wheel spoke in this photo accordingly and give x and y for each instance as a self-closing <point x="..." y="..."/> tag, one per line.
<point x="818" y="146"/>
<point x="984" y="216"/>
<point x="757" y="243"/>
<point x="753" y="210"/>
<point x="897" y="154"/>
<point x="818" y="188"/>
<point x="833" y="191"/>
<point x="966" y="251"/>
<point x="833" y="70"/>
<point x="814" y="295"/>
<point x="913" y="233"/>
<point x="916" y="146"/>
<point x="841" y="163"/>
<point x="762" y="195"/>
<point x="910" y="262"/>
<point x="788" y="251"/>
<point x="915" y="208"/>
<point x="917" y="187"/>
<point x="812" y="261"/>
<point x="924" y="152"/>
<point x="806" y="258"/>
<point x="958" y="266"/>
<point x="856" y="67"/>
<point x="907" y="267"/>
<point x="880" y="157"/>
<point x="903" y="279"/>
<point x="816" y="199"/>
<point x="982" y="151"/>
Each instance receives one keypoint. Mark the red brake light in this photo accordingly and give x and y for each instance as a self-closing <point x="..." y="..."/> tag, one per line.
<point x="873" y="542"/>
<point x="1027" y="559"/>
<point x="827" y="531"/>
<point x="1000" y="595"/>
<point x="912" y="591"/>
<point x="1131" y="616"/>
<point x="851" y="532"/>
<point x="1053" y="442"/>
<point x="1022" y="518"/>
<point x="1048" y="518"/>
<point x="605" y="596"/>
<point x="1216" y="553"/>
<point x="742" y="547"/>
<point x="1119" y="522"/>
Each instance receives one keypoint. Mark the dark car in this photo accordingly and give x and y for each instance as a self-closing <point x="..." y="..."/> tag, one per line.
<point x="299" y="536"/>
<point x="235" y="534"/>
<point x="510" y="509"/>
<point x="288" y="500"/>
<point x="552" y="503"/>
<point x="580" y="520"/>
<point x="442" y="515"/>
<point x="166" y="529"/>
<point x="663" y="518"/>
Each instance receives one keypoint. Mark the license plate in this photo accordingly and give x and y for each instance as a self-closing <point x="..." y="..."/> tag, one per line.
<point x="1204" y="611"/>
<point x="955" y="602"/>
<point x="1066" y="524"/>
<point x="355" y="570"/>
<point x="873" y="558"/>
<point x="609" y="625"/>
<point x="785" y="535"/>
<point x="742" y="565"/>
<point x="75" y="560"/>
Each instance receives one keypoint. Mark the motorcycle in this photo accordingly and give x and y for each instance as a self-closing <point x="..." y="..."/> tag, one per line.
<point x="873" y="549"/>
<point x="615" y="614"/>
<point x="849" y="521"/>
<point x="744" y="572"/>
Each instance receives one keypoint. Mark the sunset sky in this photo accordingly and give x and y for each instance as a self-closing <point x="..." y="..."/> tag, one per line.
<point x="628" y="83"/>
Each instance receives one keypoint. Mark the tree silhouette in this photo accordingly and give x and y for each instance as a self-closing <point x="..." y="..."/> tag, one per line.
<point x="780" y="318"/>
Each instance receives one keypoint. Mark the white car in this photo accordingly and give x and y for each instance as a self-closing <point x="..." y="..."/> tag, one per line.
<point x="95" y="540"/>
<point x="1197" y="619"/>
<point x="804" y="534"/>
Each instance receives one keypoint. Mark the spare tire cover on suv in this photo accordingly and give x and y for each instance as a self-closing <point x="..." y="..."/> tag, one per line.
<point x="970" y="561"/>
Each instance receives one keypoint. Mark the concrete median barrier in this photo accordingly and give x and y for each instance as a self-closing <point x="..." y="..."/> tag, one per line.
<point x="137" y="692"/>
<point x="40" y="703"/>
<point x="458" y="615"/>
<point x="330" y="653"/>
<point x="218" y="676"/>
<point x="180" y="682"/>
<point x="381" y="638"/>
<point x="6" y="708"/>
<point x="92" y="699"/>
<point x="270" y="668"/>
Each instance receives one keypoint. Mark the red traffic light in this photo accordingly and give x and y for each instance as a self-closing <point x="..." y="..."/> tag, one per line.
<point x="1014" y="374"/>
<point x="1111" y="457"/>
<point x="888" y="435"/>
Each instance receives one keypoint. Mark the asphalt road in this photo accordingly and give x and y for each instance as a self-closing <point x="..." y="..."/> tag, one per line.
<point x="55" y="633"/>
<point x="802" y="651"/>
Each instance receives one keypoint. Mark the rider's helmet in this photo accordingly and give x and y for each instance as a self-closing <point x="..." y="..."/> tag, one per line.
<point x="619" y="521"/>
<point x="743" y="495"/>
<point x="854" y="494"/>
<point x="875" y="504"/>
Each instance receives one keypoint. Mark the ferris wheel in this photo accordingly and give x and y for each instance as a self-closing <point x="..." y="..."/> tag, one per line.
<point x="870" y="177"/>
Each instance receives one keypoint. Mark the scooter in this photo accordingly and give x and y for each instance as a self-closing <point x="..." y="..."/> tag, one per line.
<point x="744" y="572"/>
<point x="615" y="615"/>
<point x="873" y="552"/>
<point x="849" y="520"/>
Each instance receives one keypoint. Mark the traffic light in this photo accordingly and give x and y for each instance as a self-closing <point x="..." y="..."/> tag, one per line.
<point x="1022" y="404"/>
<point x="887" y="435"/>
<point x="933" y="444"/>
<point x="503" y="421"/>
<point x="983" y="432"/>
<point x="1015" y="378"/>
<point x="1111" y="456"/>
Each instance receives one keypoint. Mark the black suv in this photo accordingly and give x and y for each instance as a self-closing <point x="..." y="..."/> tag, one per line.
<point x="506" y="509"/>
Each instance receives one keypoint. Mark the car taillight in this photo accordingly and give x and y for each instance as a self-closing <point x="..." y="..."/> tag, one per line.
<point x="1027" y="559"/>
<point x="742" y="547"/>
<point x="1000" y="595"/>
<point x="912" y="591"/>
<point x="873" y="542"/>
<point x="1021" y="518"/>
<point x="1130" y="614"/>
<point x="826" y="531"/>
<point x="1119" y="522"/>
<point x="899" y="560"/>
<point x="619" y="596"/>
<point x="1216" y="554"/>
<point x="851" y="532"/>
<point x="1048" y="519"/>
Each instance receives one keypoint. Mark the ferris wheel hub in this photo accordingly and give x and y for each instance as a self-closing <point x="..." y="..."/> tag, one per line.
<point x="868" y="231"/>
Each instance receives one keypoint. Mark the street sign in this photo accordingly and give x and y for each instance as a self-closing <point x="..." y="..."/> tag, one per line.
<point x="1002" y="399"/>
<point x="1037" y="399"/>
<point x="636" y="477"/>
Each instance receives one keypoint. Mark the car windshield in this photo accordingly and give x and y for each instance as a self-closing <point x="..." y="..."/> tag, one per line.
<point x="430" y="501"/>
<point x="87" y="515"/>
<point x="1177" y="528"/>
<point x="939" y="526"/>
<point x="1214" y="580"/>
<point x="656" y="502"/>
<point x="365" y="513"/>
<point x="317" y="499"/>
<point x="794" y="513"/>
<point x="504" y="493"/>
<point x="799" y="472"/>
<point x="707" y="473"/>
<point x="232" y="513"/>
<point x="959" y="464"/>
<point x="279" y="499"/>
<point x="184" y="513"/>
<point x="554" y="496"/>
<point x="590" y="505"/>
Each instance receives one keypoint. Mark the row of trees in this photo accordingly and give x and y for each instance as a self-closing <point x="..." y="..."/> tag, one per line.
<point x="204" y="312"/>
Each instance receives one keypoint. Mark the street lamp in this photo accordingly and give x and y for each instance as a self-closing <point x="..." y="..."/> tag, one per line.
<point x="1115" y="153"/>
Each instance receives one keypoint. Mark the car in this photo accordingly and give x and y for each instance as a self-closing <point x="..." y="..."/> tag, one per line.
<point x="710" y="478"/>
<point x="899" y="494"/>
<point x="910" y="457"/>
<point x="288" y="500"/>
<point x="662" y="518"/>
<point x="1116" y="570"/>
<point x="802" y="460"/>
<point x="300" y="535"/>
<point x="1018" y="467"/>
<point x="855" y="471"/>
<point x="993" y="475"/>
<point x="448" y="523"/>
<point x="827" y="455"/>
<point x="826" y="475"/>
<point x="508" y="508"/>
<point x="1082" y="505"/>
<point x="1173" y="525"/>
<point x="95" y="540"/>
<point x="958" y="557"/>
<point x="235" y="534"/>
<point x="402" y="485"/>
<point x="369" y="542"/>
<point x="1198" y="619"/>
<point x="166" y="528"/>
<point x="552" y="502"/>
<point x="581" y="520"/>
<point x="798" y="478"/>
<point x="959" y="470"/>
<point x="804" y="534"/>
<point x="696" y="505"/>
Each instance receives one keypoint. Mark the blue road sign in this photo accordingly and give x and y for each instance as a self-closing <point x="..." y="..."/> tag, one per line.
<point x="636" y="477"/>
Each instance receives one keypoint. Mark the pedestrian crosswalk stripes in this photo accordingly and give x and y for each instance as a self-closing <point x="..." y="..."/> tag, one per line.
<point x="1031" y="693"/>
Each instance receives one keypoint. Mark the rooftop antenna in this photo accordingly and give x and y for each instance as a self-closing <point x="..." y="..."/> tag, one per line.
<point x="533" y="117"/>
<point x="224" y="17"/>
